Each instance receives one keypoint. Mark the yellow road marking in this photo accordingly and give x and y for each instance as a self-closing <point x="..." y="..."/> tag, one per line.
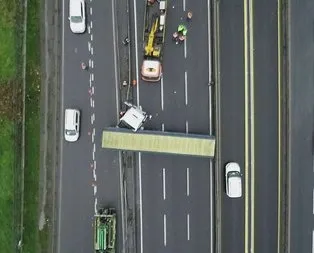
<point x="252" y="111"/>
<point x="279" y="27"/>
<point x="246" y="128"/>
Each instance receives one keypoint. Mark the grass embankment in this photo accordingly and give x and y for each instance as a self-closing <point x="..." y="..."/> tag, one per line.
<point x="32" y="151"/>
<point x="7" y="74"/>
<point x="10" y="72"/>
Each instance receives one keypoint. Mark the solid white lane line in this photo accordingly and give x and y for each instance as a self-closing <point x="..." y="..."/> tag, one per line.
<point x="93" y="153"/>
<point x="136" y="58"/>
<point x="313" y="241"/>
<point x="62" y="120"/>
<point x="95" y="190"/>
<point x="141" y="198"/>
<point x="164" y="182"/>
<point x="95" y="205"/>
<point x="162" y="93"/>
<point x="94" y="175"/>
<point x="188" y="226"/>
<point x="186" y="87"/>
<point x="94" y="147"/>
<point x="211" y="204"/>
<point x="188" y="181"/>
<point x="313" y="201"/>
<point x="165" y="229"/>
<point x="184" y="48"/>
<point x="186" y="126"/>
<point x="163" y="127"/>
<point x="95" y="165"/>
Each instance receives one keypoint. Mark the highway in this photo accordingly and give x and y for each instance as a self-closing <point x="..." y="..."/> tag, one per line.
<point x="248" y="123"/>
<point x="175" y="193"/>
<point x="89" y="176"/>
<point x="301" y="194"/>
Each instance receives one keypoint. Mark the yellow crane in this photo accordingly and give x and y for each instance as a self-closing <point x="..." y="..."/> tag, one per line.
<point x="150" y="50"/>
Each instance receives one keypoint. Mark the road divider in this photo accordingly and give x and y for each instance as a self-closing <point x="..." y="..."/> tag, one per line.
<point x="188" y="226"/>
<point x="249" y="166"/>
<point x="186" y="87"/>
<point x="164" y="183"/>
<point x="165" y="230"/>
<point x="188" y="181"/>
<point x="162" y="93"/>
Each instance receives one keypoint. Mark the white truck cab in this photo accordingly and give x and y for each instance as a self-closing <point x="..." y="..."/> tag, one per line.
<point x="133" y="118"/>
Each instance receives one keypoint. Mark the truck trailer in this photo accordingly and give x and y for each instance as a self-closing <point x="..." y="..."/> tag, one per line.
<point x="153" y="38"/>
<point x="105" y="230"/>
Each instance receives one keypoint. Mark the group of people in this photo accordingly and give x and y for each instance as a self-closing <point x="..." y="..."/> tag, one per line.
<point x="180" y="35"/>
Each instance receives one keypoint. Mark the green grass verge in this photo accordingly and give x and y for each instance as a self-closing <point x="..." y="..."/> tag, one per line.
<point x="6" y="185"/>
<point x="7" y="40"/>
<point x="8" y="55"/>
<point x="32" y="244"/>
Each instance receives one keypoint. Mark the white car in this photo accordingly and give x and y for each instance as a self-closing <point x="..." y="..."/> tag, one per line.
<point x="77" y="16"/>
<point x="233" y="180"/>
<point x="71" y="125"/>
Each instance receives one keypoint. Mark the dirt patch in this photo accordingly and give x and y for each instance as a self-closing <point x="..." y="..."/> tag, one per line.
<point x="11" y="101"/>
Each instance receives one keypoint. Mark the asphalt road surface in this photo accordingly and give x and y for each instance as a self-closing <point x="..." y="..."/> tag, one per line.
<point x="175" y="192"/>
<point x="266" y="126"/>
<point x="301" y="55"/>
<point x="232" y="118"/>
<point x="89" y="176"/>
<point x="262" y="106"/>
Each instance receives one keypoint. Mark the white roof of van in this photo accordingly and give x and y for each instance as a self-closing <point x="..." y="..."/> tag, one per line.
<point x="75" y="8"/>
<point x="134" y="118"/>
<point x="151" y="68"/>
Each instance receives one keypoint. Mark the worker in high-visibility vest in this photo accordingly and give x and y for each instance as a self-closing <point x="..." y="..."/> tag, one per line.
<point x="182" y="30"/>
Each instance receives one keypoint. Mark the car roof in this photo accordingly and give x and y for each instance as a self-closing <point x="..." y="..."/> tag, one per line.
<point x="235" y="186"/>
<point x="75" y="8"/>
<point x="69" y="118"/>
<point x="151" y="68"/>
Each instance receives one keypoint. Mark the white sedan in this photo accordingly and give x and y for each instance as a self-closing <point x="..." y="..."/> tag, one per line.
<point x="77" y="16"/>
<point x="233" y="180"/>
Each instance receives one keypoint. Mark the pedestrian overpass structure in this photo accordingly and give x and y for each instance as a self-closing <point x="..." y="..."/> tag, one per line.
<point x="159" y="142"/>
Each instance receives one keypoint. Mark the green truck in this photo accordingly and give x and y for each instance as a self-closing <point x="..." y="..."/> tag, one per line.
<point x="105" y="230"/>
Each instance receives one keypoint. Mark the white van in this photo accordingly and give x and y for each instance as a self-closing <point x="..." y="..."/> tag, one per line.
<point x="71" y="125"/>
<point x="233" y="180"/>
<point x="77" y="16"/>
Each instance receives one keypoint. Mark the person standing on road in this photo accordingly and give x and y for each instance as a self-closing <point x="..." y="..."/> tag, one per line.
<point x="189" y="16"/>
